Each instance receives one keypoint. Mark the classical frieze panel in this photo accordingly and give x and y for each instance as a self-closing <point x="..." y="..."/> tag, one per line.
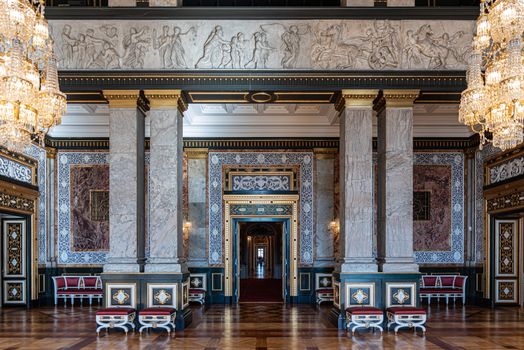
<point x="15" y="170"/>
<point x="257" y="45"/>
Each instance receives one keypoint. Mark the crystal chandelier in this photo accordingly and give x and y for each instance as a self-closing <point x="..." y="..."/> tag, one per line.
<point x="494" y="100"/>
<point x="30" y="100"/>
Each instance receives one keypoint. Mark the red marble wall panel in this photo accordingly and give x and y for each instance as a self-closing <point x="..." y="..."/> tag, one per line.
<point x="88" y="233"/>
<point x="435" y="233"/>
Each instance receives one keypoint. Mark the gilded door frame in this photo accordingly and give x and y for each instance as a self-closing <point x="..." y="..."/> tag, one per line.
<point x="250" y="199"/>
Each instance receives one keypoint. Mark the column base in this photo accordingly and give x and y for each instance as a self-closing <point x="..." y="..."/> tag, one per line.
<point x="398" y="265"/>
<point x="165" y="265"/>
<point x="121" y="265"/>
<point x="358" y="265"/>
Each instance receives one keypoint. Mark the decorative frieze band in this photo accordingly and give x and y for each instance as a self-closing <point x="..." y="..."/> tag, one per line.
<point x="11" y="201"/>
<point x="506" y="202"/>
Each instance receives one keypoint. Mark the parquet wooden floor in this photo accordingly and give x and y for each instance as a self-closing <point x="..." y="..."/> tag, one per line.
<point x="260" y="327"/>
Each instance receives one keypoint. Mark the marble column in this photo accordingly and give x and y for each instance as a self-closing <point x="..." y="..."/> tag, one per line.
<point x="395" y="180"/>
<point x="126" y="181"/>
<point x="356" y="182"/>
<point x="401" y="3"/>
<point x="165" y="178"/>
<point x="357" y="3"/>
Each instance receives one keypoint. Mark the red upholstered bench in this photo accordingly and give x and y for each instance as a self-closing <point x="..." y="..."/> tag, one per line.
<point x="406" y="317"/>
<point x="71" y="287"/>
<point x="443" y="286"/>
<point x="116" y="317"/>
<point x="324" y="288"/>
<point x="161" y="317"/>
<point x="364" y="317"/>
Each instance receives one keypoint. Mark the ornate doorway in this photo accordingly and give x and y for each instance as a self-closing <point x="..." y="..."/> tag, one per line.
<point x="267" y="208"/>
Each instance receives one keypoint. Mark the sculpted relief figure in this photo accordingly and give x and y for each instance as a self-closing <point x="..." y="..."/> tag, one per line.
<point x="260" y="52"/>
<point x="170" y="47"/>
<point x="215" y="48"/>
<point x="329" y="51"/>
<point x="291" y="46"/>
<point x="135" y="47"/>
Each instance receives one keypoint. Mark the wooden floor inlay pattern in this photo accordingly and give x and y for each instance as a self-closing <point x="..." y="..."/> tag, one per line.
<point x="261" y="327"/>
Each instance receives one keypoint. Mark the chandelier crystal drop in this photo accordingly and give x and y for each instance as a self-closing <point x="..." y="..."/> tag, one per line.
<point x="494" y="99"/>
<point x="30" y="99"/>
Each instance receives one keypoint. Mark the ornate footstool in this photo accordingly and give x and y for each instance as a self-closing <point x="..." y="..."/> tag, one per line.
<point x="198" y="295"/>
<point x="406" y="317"/>
<point x="116" y="317"/>
<point x="364" y="317"/>
<point x="157" y="317"/>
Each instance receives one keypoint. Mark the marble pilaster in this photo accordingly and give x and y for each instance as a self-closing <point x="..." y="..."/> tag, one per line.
<point x="401" y="3"/>
<point x="395" y="180"/>
<point x="165" y="3"/>
<point x="165" y="176"/>
<point x="126" y="181"/>
<point x="121" y="3"/>
<point x="356" y="182"/>
<point x="357" y="3"/>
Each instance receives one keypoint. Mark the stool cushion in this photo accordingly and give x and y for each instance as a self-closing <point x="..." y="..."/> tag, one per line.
<point x="440" y="290"/>
<point x="88" y="291"/>
<point x="197" y="291"/>
<point x="324" y="290"/>
<point x="406" y="310"/>
<point x="115" y="311"/>
<point x="156" y="311"/>
<point x="364" y="310"/>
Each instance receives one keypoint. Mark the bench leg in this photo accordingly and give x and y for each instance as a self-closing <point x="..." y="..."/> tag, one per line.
<point x="447" y="299"/>
<point x="72" y="300"/>
<point x="90" y="300"/>
<point x="56" y="299"/>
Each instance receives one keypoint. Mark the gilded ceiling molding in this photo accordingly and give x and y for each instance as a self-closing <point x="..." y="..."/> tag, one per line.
<point x="196" y="153"/>
<point x="122" y="98"/>
<point x="356" y="98"/>
<point x="162" y="99"/>
<point x="395" y="99"/>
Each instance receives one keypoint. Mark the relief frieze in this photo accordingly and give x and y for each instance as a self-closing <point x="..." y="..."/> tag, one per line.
<point x="254" y="45"/>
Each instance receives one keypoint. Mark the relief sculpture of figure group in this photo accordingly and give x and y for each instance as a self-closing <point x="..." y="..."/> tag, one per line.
<point x="377" y="45"/>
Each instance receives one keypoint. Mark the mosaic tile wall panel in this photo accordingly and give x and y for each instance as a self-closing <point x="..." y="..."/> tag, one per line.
<point x="217" y="160"/>
<point x="39" y="154"/>
<point x="451" y="251"/>
<point x="15" y="170"/>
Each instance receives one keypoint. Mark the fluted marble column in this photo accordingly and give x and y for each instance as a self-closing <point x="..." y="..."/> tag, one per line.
<point x="356" y="182"/>
<point x="165" y="178"/>
<point x="126" y="182"/>
<point x="395" y="180"/>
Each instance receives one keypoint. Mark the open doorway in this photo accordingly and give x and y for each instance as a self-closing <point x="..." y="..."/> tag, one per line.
<point x="261" y="261"/>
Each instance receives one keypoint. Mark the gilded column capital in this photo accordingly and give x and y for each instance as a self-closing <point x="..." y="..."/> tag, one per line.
<point x="356" y="98"/>
<point x="121" y="98"/>
<point x="166" y="99"/>
<point x="396" y="99"/>
<point x="197" y="153"/>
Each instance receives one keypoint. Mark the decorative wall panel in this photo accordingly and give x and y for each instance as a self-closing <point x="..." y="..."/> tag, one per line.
<point x="83" y="239"/>
<point x="15" y="170"/>
<point x="432" y="220"/>
<point x="441" y="241"/>
<point x="89" y="203"/>
<point x="506" y="245"/>
<point x="39" y="154"/>
<point x="506" y="170"/>
<point x="401" y="294"/>
<point x="258" y="44"/>
<point x="506" y="291"/>
<point x="14" y="292"/>
<point x="14" y="252"/>
<point x="217" y="160"/>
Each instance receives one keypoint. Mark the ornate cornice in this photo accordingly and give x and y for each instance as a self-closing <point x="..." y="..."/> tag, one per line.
<point x="356" y="98"/>
<point x="18" y="198"/>
<point x="122" y="98"/>
<point x="164" y="99"/>
<point x="317" y="144"/>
